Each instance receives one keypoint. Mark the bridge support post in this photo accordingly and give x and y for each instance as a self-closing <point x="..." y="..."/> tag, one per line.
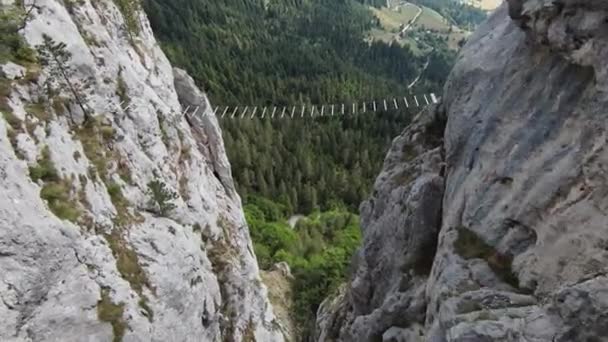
<point x="244" y="112"/>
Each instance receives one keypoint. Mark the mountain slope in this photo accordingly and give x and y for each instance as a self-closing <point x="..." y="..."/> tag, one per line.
<point x="494" y="200"/>
<point x="291" y="53"/>
<point x="116" y="224"/>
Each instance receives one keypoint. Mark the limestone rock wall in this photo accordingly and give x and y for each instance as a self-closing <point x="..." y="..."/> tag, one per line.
<point x="89" y="144"/>
<point x="521" y="249"/>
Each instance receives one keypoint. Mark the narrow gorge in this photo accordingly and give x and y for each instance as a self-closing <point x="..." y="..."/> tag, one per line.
<point x="120" y="219"/>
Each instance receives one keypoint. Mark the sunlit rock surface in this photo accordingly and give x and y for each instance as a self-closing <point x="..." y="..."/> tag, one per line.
<point x="117" y="267"/>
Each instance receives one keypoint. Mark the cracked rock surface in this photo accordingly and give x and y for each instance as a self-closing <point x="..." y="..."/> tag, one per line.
<point x="84" y="255"/>
<point x="521" y="249"/>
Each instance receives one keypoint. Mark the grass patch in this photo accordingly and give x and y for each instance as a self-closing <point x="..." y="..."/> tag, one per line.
<point x="148" y="312"/>
<point x="183" y="188"/>
<point x="121" y="91"/>
<point x="93" y="147"/>
<point x="57" y="195"/>
<point x="56" y="191"/>
<point x="123" y="217"/>
<point x="129" y="10"/>
<point x="14" y="123"/>
<point x="38" y="110"/>
<point x="127" y="263"/>
<point x="45" y="169"/>
<point x="124" y="171"/>
<point x="470" y="246"/>
<point x="12" y="120"/>
<point x="94" y="137"/>
<point x="59" y="104"/>
<point x="112" y="313"/>
<point x="163" y="130"/>
<point x="5" y="88"/>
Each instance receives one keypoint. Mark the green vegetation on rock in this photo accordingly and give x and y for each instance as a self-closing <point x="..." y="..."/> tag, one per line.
<point x="318" y="250"/>
<point x="161" y="197"/>
<point x="130" y="12"/>
<point x="13" y="46"/>
<point x="56" y="191"/>
<point x="112" y="313"/>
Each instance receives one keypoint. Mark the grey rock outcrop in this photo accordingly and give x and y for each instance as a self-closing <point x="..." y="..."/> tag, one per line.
<point x="90" y="249"/>
<point x="521" y="250"/>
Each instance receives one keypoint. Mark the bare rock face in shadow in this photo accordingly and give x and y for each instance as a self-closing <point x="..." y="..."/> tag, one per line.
<point x="519" y="237"/>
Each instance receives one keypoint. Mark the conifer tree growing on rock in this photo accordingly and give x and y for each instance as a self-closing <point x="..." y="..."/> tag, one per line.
<point x="54" y="55"/>
<point x="161" y="198"/>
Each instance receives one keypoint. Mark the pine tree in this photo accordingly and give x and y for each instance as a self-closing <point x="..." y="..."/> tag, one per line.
<point x="56" y="58"/>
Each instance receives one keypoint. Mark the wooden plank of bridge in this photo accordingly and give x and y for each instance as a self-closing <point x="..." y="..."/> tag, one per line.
<point x="322" y="110"/>
<point x="343" y="109"/>
<point x="416" y="99"/>
<point x="395" y="103"/>
<point x="264" y="112"/>
<point x="407" y="105"/>
<point x="354" y="108"/>
<point x="303" y="110"/>
<point x="185" y="111"/>
<point x="385" y="106"/>
<point x="364" y="109"/>
<point x="332" y="110"/>
<point x="196" y="110"/>
<point x="375" y="106"/>
<point x="225" y="111"/>
<point x="244" y="112"/>
<point x="213" y="113"/>
<point x="234" y="113"/>
<point x="255" y="109"/>
<point x="434" y="98"/>
<point x="293" y="110"/>
<point x="425" y="99"/>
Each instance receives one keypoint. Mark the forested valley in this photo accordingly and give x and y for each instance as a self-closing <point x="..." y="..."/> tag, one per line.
<point x="294" y="52"/>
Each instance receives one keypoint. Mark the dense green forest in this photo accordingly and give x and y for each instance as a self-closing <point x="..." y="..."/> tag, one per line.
<point x="291" y="52"/>
<point x="283" y="52"/>
<point x="318" y="250"/>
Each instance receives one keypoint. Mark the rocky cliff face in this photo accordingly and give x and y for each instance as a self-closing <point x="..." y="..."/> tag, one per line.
<point x="489" y="220"/>
<point x="118" y="216"/>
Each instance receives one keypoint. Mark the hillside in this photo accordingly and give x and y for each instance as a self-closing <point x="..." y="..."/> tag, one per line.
<point x="417" y="27"/>
<point x="293" y="53"/>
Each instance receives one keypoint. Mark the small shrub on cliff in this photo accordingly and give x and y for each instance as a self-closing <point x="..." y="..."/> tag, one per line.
<point x="161" y="198"/>
<point x="112" y="313"/>
<point x="45" y="170"/>
<point x="130" y="10"/>
<point x="56" y="191"/>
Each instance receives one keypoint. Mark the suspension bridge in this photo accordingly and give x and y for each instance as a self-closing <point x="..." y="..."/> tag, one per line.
<point x="308" y="110"/>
